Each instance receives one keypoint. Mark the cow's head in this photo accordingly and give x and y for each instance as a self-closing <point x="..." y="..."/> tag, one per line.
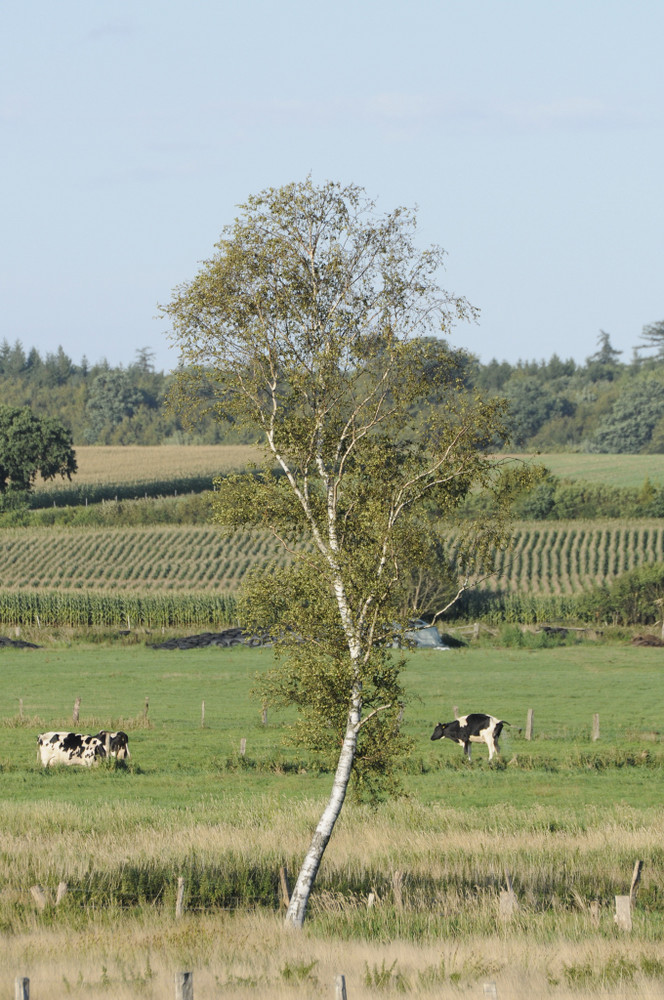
<point x="118" y="743"/>
<point x="443" y="729"/>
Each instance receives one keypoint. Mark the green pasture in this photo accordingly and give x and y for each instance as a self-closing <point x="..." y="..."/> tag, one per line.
<point x="612" y="470"/>
<point x="178" y="764"/>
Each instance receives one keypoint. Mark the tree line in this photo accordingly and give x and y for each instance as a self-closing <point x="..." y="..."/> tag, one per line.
<point x="604" y="405"/>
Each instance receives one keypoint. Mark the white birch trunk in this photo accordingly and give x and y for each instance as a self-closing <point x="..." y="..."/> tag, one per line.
<point x="305" y="880"/>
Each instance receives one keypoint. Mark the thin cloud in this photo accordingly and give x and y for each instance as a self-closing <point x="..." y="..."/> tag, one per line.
<point x="411" y="113"/>
<point x="111" y="29"/>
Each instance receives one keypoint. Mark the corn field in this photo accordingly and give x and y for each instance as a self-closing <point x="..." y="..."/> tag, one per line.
<point x="51" y="609"/>
<point x="557" y="558"/>
<point x="568" y="557"/>
<point x="170" y="558"/>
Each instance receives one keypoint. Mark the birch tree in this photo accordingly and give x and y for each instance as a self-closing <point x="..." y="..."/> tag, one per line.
<point x="317" y="322"/>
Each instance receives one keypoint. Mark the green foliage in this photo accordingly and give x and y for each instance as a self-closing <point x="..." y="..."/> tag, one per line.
<point x="637" y="411"/>
<point x="633" y="598"/>
<point x="316" y="677"/>
<point x="30" y="445"/>
<point x="312" y="324"/>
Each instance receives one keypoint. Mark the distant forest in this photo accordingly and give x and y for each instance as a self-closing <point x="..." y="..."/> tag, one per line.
<point x="606" y="404"/>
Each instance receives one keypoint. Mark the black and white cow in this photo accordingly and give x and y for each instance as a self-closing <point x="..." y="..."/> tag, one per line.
<point x="69" y="748"/>
<point x="118" y="743"/>
<point x="473" y="728"/>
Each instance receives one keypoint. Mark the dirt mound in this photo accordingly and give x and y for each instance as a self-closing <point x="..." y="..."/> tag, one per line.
<point x="647" y="640"/>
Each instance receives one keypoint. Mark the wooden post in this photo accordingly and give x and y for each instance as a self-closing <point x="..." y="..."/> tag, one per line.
<point x="146" y="708"/>
<point x="20" y="708"/>
<point x="397" y="885"/>
<point x="264" y="714"/>
<point x="371" y="900"/>
<point x="340" y="988"/>
<point x="476" y="630"/>
<point x="179" y="902"/>
<point x="107" y="745"/>
<point x="490" y="991"/>
<point x="455" y="711"/>
<point x="203" y="714"/>
<point x="21" y="988"/>
<point x="595" y="727"/>
<point x="77" y="708"/>
<point x="39" y="896"/>
<point x="593" y="908"/>
<point x="636" y="878"/>
<point x="508" y="903"/>
<point x="243" y="746"/>
<point x="285" y="888"/>
<point x="184" y="986"/>
<point x="623" y="914"/>
<point x="529" y="724"/>
<point x="61" y="893"/>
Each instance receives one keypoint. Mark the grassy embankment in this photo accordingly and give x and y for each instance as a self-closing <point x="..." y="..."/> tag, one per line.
<point x="566" y="816"/>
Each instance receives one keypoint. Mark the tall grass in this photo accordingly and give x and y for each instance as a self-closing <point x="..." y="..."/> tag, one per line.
<point x="566" y="817"/>
<point x="440" y="932"/>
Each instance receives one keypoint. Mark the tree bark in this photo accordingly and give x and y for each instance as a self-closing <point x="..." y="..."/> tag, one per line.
<point x="307" y="876"/>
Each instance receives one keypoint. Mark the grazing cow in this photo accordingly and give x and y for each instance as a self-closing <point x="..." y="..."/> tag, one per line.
<point x="118" y="743"/>
<point x="474" y="728"/>
<point x="69" y="748"/>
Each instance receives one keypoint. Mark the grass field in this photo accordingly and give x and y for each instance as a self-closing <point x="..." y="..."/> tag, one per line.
<point x="613" y="470"/>
<point x="565" y="815"/>
<point x="137" y="464"/>
<point x="144" y="463"/>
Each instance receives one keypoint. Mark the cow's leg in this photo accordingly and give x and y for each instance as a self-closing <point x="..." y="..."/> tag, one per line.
<point x="466" y="747"/>
<point x="488" y="739"/>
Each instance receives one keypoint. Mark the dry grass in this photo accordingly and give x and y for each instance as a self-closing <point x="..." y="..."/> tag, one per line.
<point x="425" y="946"/>
<point x="141" y="463"/>
<point x="250" y="955"/>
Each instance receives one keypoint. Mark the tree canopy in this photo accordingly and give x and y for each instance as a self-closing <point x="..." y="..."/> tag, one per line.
<point x="315" y="323"/>
<point x="31" y="445"/>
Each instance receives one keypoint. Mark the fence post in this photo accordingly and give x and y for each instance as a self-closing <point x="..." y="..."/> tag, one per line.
<point x="636" y="878"/>
<point x="285" y="888"/>
<point x="623" y="914"/>
<point x="74" y="714"/>
<point x="39" y="896"/>
<point x="179" y="902"/>
<point x="455" y="711"/>
<point x="529" y="724"/>
<point x="397" y="885"/>
<point x="340" y="988"/>
<point x="595" y="727"/>
<point x="184" y="986"/>
<point x="490" y="991"/>
<point x="146" y="708"/>
<point x="508" y="904"/>
<point x="243" y="746"/>
<point x="203" y="714"/>
<point x="61" y="893"/>
<point x="21" y="988"/>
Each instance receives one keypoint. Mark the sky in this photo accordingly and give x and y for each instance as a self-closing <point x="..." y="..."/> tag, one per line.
<point x="528" y="134"/>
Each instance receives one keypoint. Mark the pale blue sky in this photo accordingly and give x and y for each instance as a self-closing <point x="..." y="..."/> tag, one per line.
<point x="529" y="134"/>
